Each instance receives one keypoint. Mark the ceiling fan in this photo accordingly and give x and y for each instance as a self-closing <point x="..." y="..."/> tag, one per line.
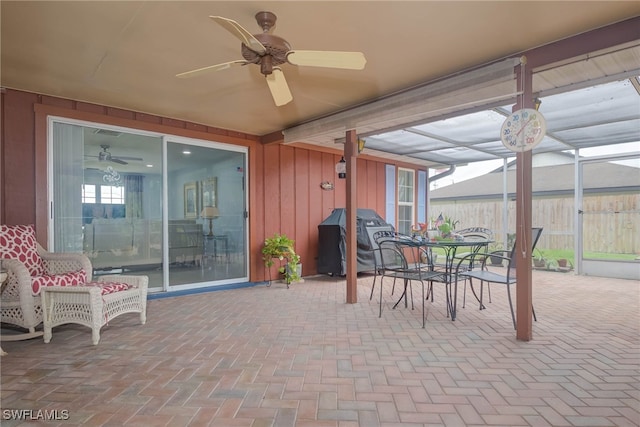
<point x="269" y="51"/>
<point x="106" y="156"/>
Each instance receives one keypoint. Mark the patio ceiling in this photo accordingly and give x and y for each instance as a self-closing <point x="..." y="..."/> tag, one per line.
<point x="126" y="55"/>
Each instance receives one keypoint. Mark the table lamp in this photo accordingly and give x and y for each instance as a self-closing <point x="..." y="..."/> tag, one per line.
<point x="210" y="212"/>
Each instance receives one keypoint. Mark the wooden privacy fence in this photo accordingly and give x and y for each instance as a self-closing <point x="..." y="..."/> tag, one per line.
<point x="611" y="222"/>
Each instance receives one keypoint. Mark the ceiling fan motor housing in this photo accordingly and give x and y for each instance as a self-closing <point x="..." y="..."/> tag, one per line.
<point x="104" y="154"/>
<point x="276" y="48"/>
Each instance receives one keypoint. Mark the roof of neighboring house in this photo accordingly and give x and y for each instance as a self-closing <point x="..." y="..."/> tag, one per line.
<point x="550" y="180"/>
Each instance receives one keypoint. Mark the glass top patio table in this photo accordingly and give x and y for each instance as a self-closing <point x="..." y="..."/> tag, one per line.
<point x="450" y="247"/>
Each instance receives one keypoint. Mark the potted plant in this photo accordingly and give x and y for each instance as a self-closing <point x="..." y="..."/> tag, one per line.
<point x="496" y="249"/>
<point x="564" y="264"/>
<point x="539" y="259"/>
<point x="280" y="247"/>
<point x="447" y="227"/>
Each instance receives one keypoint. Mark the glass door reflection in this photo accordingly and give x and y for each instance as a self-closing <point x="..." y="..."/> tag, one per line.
<point x="206" y="215"/>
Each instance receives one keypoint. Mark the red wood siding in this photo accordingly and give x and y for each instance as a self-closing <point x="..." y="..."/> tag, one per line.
<point x="284" y="180"/>
<point x="302" y="205"/>
<point x="18" y="158"/>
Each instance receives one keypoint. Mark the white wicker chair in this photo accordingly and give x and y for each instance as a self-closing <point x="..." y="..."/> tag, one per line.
<point x="36" y="277"/>
<point x="18" y="305"/>
<point x="85" y="305"/>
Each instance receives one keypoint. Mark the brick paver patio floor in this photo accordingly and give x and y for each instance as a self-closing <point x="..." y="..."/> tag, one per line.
<point x="271" y="356"/>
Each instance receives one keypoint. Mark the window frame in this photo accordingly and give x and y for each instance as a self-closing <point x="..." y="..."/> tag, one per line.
<point x="111" y="200"/>
<point x="403" y="190"/>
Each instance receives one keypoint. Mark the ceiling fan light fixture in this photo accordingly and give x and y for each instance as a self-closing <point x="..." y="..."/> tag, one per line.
<point x="266" y="65"/>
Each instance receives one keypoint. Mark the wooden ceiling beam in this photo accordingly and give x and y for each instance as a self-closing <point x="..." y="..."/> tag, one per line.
<point x="585" y="43"/>
<point x="276" y="137"/>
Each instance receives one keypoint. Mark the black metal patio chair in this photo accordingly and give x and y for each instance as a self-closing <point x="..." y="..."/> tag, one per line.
<point x="474" y="266"/>
<point x="395" y="264"/>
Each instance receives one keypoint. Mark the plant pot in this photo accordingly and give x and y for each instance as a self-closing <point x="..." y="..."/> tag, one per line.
<point x="539" y="263"/>
<point x="287" y="273"/>
<point x="562" y="263"/>
<point x="495" y="260"/>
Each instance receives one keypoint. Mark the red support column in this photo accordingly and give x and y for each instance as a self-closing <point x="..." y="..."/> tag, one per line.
<point x="350" y="156"/>
<point x="524" y="285"/>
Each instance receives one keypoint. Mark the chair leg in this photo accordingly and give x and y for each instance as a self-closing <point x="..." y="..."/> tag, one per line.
<point x="381" y="283"/>
<point x="424" y="319"/>
<point x="430" y="291"/>
<point x="447" y="298"/>
<point x="464" y="294"/>
<point x="449" y="286"/>
<point x="375" y="276"/>
<point x="411" y="291"/>
<point x="95" y="336"/>
<point x="513" y="317"/>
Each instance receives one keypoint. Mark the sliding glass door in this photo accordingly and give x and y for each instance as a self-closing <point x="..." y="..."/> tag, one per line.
<point x="139" y="203"/>
<point x="206" y="213"/>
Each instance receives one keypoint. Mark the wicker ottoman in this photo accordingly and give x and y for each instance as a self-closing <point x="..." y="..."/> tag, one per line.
<point x="86" y="305"/>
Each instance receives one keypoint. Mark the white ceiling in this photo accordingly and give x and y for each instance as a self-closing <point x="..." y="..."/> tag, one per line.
<point x="126" y="54"/>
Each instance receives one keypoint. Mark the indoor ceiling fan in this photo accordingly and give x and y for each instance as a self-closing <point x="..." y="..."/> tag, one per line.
<point x="106" y="156"/>
<point x="269" y="51"/>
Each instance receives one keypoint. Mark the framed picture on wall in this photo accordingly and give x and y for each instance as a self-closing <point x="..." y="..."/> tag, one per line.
<point x="190" y="200"/>
<point x="209" y="192"/>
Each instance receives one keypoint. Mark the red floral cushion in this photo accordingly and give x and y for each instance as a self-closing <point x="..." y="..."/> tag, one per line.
<point x="77" y="278"/>
<point x="74" y="278"/>
<point x="19" y="242"/>
<point x="109" y="287"/>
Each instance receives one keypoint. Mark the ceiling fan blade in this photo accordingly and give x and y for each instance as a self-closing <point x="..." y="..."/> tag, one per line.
<point x="139" y="159"/>
<point x="119" y="161"/>
<point x="329" y="59"/>
<point x="237" y="30"/>
<point x="279" y="87"/>
<point x="217" y="67"/>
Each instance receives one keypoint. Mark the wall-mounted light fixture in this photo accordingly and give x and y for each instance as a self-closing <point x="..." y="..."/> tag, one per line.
<point x="361" y="143"/>
<point x="341" y="168"/>
<point x="536" y="103"/>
